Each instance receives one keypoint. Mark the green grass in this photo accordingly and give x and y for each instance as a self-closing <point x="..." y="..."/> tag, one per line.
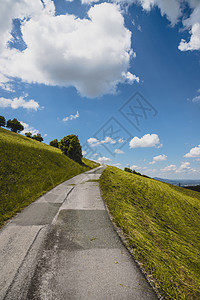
<point x="28" y="169"/>
<point x="162" y="226"/>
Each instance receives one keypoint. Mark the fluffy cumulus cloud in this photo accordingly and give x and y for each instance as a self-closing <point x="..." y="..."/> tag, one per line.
<point x="95" y="142"/>
<point x="119" y="151"/>
<point x="157" y="158"/>
<point x="19" y="103"/>
<point x="183" y="168"/>
<point x="194" y="43"/>
<point x="71" y="117"/>
<point x="91" y="54"/>
<point x="13" y="9"/>
<point x="130" y="78"/>
<point x="148" y="140"/>
<point x="117" y="165"/>
<point x="135" y="167"/>
<point x="103" y="160"/>
<point x="169" y="168"/>
<point x="194" y="152"/>
<point x="196" y="99"/>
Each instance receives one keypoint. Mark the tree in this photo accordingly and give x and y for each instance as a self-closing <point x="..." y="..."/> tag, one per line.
<point x="54" y="143"/>
<point x="15" y="125"/>
<point x="2" y="121"/>
<point x="28" y="134"/>
<point x="128" y="170"/>
<point x="71" y="147"/>
<point x="37" y="137"/>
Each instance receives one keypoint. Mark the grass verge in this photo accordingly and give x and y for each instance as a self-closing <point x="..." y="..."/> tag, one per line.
<point x="28" y="169"/>
<point x="162" y="226"/>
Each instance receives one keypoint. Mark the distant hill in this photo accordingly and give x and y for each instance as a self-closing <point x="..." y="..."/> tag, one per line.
<point x="28" y="169"/>
<point x="182" y="182"/>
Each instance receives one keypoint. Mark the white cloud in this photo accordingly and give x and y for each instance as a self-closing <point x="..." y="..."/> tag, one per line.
<point x="119" y="151"/>
<point x="95" y="154"/>
<point x="92" y="141"/>
<point x="157" y="158"/>
<point x="194" y="152"/>
<point x="129" y="77"/>
<point x="88" y="1"/>
<point x="194" y="43"/>
<point x="14" y="9"/>
<point x="108" y="140"/>
<point x="71" y="117"/>
<point x="95" y="142"/>
<point x="117" y="165"/>
<point x="84" y="152"/>
<point x="183" y="168"/>
<point x="5" y="83"/>
<point x="196" y="99"/>
<point x="28" y="128"/>
<point x="121" y="141"/>
<point x="135" y="167"/>
<point x="19" y="102"/>
<point x="148" y="140"/>
<point x="91" y="54"/>
<point x="103" y="160"/>
<point x="169" y="168"/>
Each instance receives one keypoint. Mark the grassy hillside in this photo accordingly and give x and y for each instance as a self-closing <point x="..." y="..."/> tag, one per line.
<point x="162" y="225"/>
<point x="28" y="169"/>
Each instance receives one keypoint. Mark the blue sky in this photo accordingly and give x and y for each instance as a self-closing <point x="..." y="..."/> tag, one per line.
<point x="124" y="76"/>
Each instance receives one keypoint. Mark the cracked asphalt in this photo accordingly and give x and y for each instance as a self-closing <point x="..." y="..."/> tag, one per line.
<point x="64" y="246"/>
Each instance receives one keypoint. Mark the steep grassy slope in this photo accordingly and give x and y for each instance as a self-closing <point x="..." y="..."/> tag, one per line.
<point x="28" y="169"/>
<point x="162" y="225"/>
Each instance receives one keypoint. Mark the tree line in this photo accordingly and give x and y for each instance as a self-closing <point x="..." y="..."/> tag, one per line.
<point x="134" y="172"/>
<point x="17" y="127"/>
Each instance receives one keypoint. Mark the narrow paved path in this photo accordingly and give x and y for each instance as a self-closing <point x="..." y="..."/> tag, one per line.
<point x="63" y="246"/>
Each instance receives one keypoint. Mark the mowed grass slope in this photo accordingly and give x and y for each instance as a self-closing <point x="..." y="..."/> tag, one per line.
<point x="28" y="169"/>
<point x="162" y="225"/>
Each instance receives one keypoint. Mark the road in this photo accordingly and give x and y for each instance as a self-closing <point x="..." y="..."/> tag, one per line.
<point x="64" y="246"/>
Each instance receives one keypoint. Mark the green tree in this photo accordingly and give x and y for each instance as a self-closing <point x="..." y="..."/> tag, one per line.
<point x="128" y="170"/>
<point x="15" y="125"/>
<point x="38" y="137"/>
<point x="2" y="121"/>
<point x="54" y="143"/>
<point x="28" y="134"/>
<point x="71" y="147"/>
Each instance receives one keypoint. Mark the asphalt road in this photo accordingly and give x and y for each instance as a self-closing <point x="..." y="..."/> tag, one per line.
<point x="64" y="246"/>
